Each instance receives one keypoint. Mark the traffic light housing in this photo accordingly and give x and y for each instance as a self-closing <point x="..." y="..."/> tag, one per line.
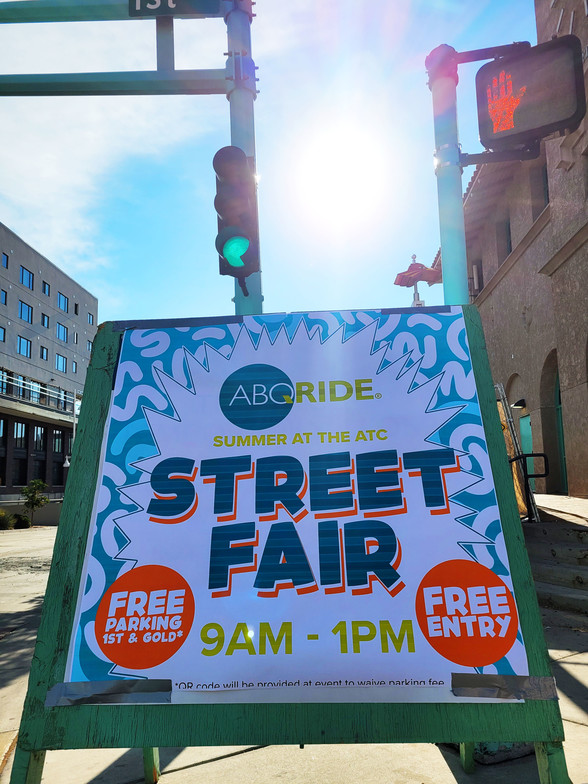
<point x="524" y="97"/>
<point x="237" y="240"/>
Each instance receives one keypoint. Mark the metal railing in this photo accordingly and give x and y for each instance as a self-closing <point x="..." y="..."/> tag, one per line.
<point x="30" y="391"/>
<point x="532" y="514"/>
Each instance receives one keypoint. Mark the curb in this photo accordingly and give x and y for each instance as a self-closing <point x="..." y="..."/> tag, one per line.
<point x="7" y="746"/>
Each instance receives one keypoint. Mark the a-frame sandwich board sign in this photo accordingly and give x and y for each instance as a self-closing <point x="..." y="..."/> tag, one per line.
<point x="292" y="528"/>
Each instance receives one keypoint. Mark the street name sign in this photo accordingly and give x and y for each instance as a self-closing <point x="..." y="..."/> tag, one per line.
<point x="147" y="8"/>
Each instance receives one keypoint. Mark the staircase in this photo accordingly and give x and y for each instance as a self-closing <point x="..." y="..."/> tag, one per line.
<point x="558" y="552"/>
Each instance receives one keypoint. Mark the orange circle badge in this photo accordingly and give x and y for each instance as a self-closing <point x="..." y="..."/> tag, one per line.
<point x="467" y="613"/>
<point x="144" y="617"/>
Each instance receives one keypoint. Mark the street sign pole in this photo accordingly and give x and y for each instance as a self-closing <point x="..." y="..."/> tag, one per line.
<point x="241" y="94"/>
<point x="442" y="69"/>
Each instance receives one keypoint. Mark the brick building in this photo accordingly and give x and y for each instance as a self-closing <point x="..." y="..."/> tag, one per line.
<point x="47" y="326"/>
<point x="527" y="247"/>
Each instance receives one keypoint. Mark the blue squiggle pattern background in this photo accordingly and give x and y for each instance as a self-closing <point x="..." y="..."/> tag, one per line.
<point x="431" y="342"/>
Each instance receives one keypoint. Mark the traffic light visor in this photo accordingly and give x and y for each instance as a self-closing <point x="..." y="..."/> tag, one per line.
<point x="230" y="164"/>
<point x="528" y="96"/>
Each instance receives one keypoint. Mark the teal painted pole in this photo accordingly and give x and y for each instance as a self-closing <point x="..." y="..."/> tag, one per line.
<point x="241" y="95"/>
<point x="442" y="69"/>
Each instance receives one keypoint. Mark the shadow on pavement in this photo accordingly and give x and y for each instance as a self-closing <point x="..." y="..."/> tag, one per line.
<point x="128" y="768"/>
<point x="18" y="632"/>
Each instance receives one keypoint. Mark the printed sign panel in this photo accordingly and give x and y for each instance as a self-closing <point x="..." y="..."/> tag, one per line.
<point x="297" y="507"/>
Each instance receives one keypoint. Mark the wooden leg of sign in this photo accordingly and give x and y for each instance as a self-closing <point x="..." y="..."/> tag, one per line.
<point x="27" y="767"/>
<point x="151" y="765"/>
<point x="466" y="755"/>
<point x="551" y="762"/>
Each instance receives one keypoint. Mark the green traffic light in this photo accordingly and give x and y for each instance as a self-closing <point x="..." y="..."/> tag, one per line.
<point x="233" y="250"/>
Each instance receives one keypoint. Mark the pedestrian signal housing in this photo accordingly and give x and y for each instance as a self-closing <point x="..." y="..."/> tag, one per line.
<point x="524" y="97"/>
<point x="237" y="241"/>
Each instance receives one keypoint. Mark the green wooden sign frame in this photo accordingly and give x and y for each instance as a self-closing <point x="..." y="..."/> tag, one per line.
<point x="144" y="726"/>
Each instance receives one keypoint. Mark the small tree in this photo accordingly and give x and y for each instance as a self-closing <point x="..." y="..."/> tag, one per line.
<point x="33" y="495"/>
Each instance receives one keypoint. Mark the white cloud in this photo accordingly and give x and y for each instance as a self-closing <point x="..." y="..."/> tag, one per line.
<point x="57" y="152"/>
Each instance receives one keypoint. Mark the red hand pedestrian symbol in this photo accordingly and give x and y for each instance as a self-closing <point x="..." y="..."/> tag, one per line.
<point x="502" y="103"/>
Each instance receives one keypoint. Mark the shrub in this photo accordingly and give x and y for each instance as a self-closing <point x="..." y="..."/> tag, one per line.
<point x="6" y="520"/>
<point x="21" y="521"/>
<point x="34" y="498"/>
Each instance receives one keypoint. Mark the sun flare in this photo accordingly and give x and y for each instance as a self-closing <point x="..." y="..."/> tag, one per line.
<point x="341" y="177"/>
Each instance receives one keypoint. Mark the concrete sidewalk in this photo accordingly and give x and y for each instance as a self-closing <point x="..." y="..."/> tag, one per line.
<point x="24" y="561"/>
<point x="562" y="507"/>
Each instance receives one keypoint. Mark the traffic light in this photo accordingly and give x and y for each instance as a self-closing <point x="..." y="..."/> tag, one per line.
<point x="237" y="241"/>
<point x="523" y="98"/>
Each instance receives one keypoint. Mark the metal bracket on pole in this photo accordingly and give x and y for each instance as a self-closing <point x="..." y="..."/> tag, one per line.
<point x="241" y="71"/>
<point x="526" y="153"/>
<point x="491" y="52"/>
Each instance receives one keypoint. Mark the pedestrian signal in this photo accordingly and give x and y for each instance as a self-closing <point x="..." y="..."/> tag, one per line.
<point x="524" y="97"/>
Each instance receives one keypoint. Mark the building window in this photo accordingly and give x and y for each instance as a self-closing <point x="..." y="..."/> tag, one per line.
<point x="39" y="438"/>
<point x="74" y="366"/>
<point x="90" y="318"/>
<point x="5" y="260"/>
<point x="76" y="309"/>
<point x="39" y="468"/>
<point x="27" y="278"/>
<point x="539" y="184"/>
<point x="44" y="353"/>
<point x="57" y="442"/>
<point x="3" y="382"/>
<point x="61" y="332"/>
<point x="503" y="239"/>
<point x="20" y="435"/>
<point x="2" y="335"/>
<point x="44" y="320"/>
<point x="60" y="363"/>
<point x="75" y="338"/>
<point x="62" y="302"/>
<point x="23" y="347"/>
<point x="35" y="392"/>
<point x="19" y="471"/>
<point x="46" y="288"/>
<point x="20" y="387"/>
<point x="477" y="276"/>
<point x="25" y="312"/>
<point x="3" y="297"/>
<point x="89" y="345"/>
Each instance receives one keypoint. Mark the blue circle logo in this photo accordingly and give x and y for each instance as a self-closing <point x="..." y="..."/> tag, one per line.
<point x="256" y="397"/>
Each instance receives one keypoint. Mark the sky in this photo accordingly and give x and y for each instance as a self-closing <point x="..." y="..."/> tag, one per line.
<point x="118" y="191"/>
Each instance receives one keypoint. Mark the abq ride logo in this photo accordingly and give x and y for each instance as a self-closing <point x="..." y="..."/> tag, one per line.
<point x="257" y="397"/>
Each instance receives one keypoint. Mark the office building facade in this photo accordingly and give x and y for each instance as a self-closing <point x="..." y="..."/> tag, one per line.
<point x="47" y="328"/>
